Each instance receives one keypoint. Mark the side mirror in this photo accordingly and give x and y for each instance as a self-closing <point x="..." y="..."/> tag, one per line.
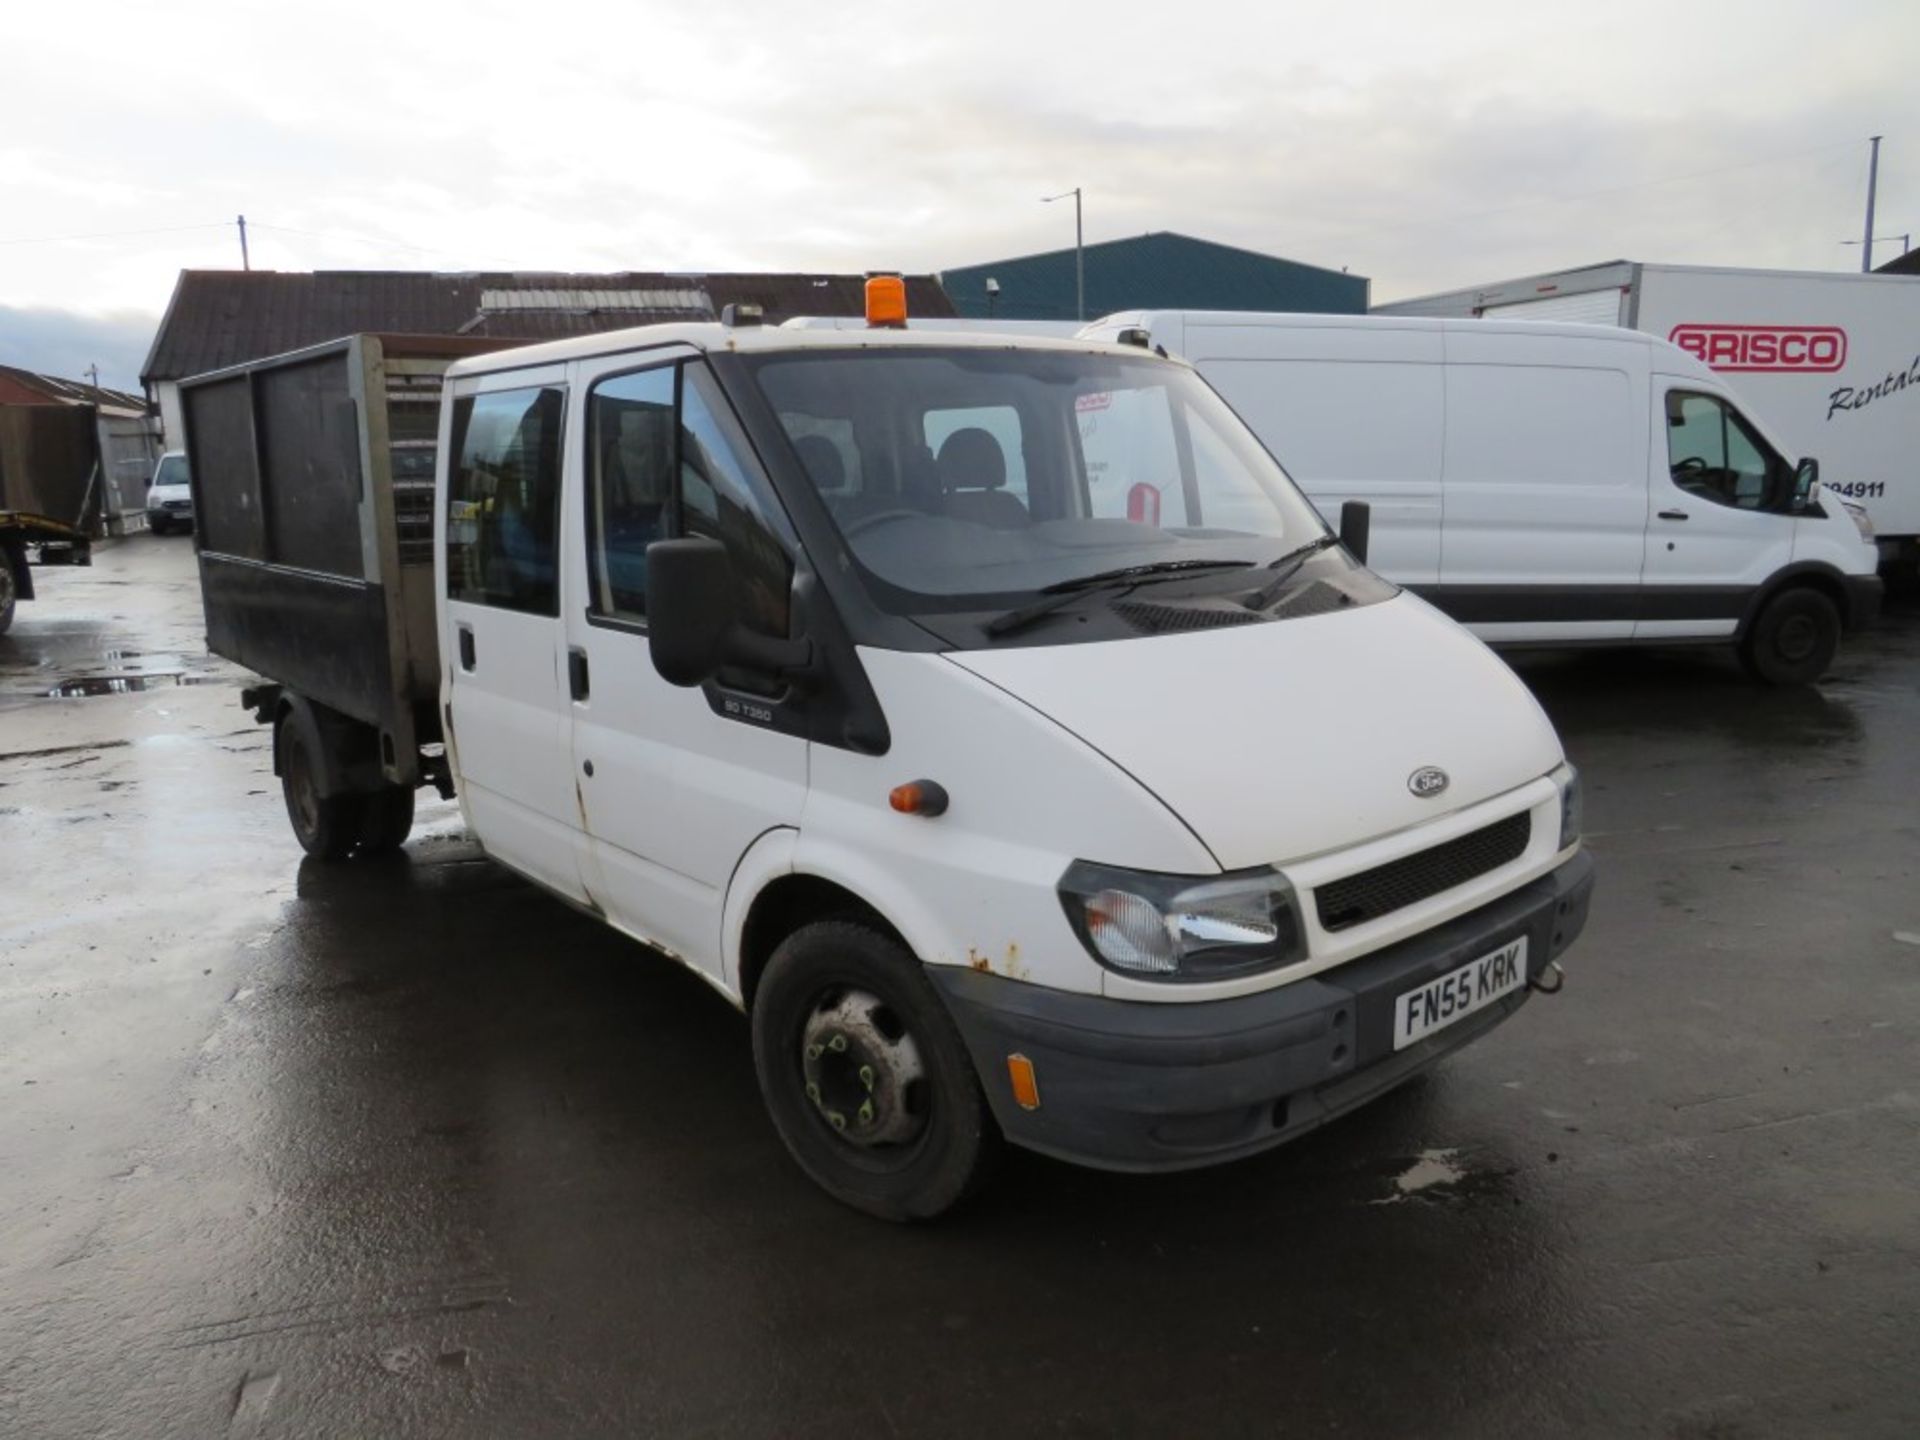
<point x="1806" y="475"/>
<point x="689" y="608"/>
<point x="691" y="627"/>
<point x="1356" y="527"/>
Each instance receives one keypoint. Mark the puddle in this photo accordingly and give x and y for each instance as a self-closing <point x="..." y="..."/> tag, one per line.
<point x="85" y="685"/>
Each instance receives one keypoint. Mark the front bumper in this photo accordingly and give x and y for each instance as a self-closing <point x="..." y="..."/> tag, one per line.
<point x="1126" y="1085"/>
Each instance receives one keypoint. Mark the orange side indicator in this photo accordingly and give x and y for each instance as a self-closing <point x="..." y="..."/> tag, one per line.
<point x="1026" y="1085"/>
<point x="886" y="302"/>
<point x="919" y="797"/>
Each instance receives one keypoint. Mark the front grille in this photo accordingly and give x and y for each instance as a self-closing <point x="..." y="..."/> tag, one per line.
<point x="176" y="504"/>
<point x="1384" y="889"/>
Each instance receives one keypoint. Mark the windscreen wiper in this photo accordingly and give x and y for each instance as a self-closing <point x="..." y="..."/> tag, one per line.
<point x="1062" y="592"/>
<point x="1287" y="565"/>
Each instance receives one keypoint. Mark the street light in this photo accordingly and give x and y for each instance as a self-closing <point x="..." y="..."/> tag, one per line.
<point x="1903" y="239"/>
<point x="1079" y="251"/>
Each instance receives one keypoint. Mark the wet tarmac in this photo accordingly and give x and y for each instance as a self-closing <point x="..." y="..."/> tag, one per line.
<point x="409" y="1149"/>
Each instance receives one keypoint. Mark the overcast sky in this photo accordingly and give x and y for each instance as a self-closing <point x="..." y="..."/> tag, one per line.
<point x="1426" y="146"/>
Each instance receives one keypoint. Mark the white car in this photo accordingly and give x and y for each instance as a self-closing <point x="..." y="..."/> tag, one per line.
<point x="1548" y="483"/>
<point x="995" y="723"/>
<point x="170" y="494"/>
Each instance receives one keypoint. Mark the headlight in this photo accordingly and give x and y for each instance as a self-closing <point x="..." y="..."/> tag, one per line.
<point x="1183" y="927"/>
<point x="1572" y="803"/>
<point x="1861" y="520"/>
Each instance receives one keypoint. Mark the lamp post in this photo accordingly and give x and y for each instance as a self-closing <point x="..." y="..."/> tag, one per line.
<point x="1079" y="251"/>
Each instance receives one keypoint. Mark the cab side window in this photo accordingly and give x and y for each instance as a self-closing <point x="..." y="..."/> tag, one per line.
<point x="665" y="458"/>
<point x="717" y="500"/>
<point x="503" y="500"/>
<point x="1715" y="455"/>
<point x="630" y="449"/>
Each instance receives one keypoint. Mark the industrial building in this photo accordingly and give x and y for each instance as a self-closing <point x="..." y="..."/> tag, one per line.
<point x="1157" y="271"/>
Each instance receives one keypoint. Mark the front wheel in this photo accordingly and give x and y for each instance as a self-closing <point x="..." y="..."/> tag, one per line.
<point x="865" y="1076"/>
<point x="1793" y="639"/>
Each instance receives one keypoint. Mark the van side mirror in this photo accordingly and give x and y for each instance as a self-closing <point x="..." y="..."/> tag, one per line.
<point x="689" y="608"/>
<point x="1806" y="475"/>
<point x="1356" y="526"/>
<point x="691" y="627"/>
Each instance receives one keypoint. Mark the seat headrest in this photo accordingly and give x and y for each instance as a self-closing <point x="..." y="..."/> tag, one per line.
<point x="971" y="459"/>
<point x="822" y="459"/>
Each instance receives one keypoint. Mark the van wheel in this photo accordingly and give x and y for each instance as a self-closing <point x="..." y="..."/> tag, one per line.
<point x="866" y="1077"/>
<point x="1793" y="640"/>
<point x="327" y="827"/>
<point x="386" y="819"/>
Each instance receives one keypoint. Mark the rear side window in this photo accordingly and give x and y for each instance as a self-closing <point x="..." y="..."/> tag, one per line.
<point x="503" y="500"/>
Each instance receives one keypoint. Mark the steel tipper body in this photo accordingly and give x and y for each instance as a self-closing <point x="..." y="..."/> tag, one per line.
<point x="58" y="543"/>
<point x="995" y="723"/>
<point x="311" y="499"/>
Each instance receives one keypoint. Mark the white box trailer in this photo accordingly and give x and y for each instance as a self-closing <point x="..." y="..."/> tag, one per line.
<point x="1830" y="361"/>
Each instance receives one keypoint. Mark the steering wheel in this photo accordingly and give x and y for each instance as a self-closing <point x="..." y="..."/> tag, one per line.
<point x="868" y="522"/>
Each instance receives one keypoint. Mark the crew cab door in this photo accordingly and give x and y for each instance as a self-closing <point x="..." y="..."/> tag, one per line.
<point x="675" y="784"/>
<point x="1717" y="521"/>
<point x="501" y="637"/>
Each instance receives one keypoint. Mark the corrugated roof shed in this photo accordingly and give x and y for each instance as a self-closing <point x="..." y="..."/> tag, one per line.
<point x="1158" y="271"/>
<point x="227" y="317"/>
<point x="28" y="387"/>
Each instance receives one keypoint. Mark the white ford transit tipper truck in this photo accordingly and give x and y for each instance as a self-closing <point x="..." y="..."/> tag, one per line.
<point x="1547" y="483"/>
<point x="991" y="720"/>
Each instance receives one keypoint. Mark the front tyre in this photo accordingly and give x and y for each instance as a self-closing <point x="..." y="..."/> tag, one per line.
<point x="1793" y="639"/>
<point x="865" y="1076"/>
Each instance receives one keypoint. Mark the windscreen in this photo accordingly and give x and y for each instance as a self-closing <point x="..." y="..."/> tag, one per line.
<point x="172" y="471"/>
<point x="963" y="478"/>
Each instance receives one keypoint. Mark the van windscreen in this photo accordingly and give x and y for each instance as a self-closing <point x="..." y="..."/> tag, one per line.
<point x="962" y="478"/>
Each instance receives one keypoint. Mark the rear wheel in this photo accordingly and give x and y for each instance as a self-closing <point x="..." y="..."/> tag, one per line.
<point x="327" y="826"/>
<point x="9" y="588"/>
<point x="386" y="819"/>
<point x="865" y="1076"/>
<point x="1793" y="639"/>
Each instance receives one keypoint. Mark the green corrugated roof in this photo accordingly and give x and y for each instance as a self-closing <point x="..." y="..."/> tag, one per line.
<point x="1159" y="271"/>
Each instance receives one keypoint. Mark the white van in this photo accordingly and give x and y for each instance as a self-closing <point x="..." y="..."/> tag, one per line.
<point x="995" y="724"/>
<point x="1547" y="483"/>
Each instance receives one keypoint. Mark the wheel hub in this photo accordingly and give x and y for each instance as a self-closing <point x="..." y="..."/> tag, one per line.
<point x="862" y="1071"/>
<point x="1797" y="638"/>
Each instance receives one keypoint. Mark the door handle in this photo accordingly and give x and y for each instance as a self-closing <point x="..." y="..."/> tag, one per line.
<point x="577" y="673"/>
<point x="466" y="648"/>
<point x="1673" y="514"/>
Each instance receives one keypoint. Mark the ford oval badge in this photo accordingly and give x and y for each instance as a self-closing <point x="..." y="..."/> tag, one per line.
<point x="1427" y="782"/>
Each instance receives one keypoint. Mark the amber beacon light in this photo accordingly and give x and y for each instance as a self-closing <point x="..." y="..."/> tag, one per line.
<point x="887" y="302"/>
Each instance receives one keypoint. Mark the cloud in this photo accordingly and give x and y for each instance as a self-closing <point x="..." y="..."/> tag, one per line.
<point x="1425" y="148"/>
<point x="65" y="343"/>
